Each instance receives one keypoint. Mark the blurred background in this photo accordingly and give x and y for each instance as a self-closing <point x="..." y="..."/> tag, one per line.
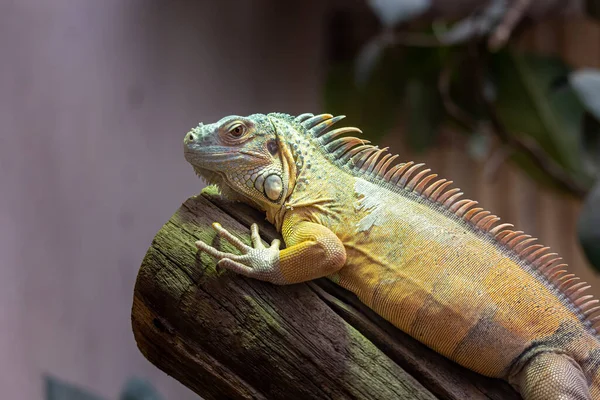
<point x="501" y="96"/>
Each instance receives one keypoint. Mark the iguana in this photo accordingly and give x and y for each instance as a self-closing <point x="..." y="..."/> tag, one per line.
<point x="436" y="266"/>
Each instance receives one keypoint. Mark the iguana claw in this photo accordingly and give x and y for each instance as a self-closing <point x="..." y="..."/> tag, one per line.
<point x="257" y="262"/>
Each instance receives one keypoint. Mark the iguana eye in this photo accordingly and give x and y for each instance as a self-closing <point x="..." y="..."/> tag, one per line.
<point x="237" y="130"/>
<point x="272" y="146"/>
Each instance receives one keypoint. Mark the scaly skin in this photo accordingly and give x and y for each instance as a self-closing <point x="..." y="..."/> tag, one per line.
<point x="435" y="267"/>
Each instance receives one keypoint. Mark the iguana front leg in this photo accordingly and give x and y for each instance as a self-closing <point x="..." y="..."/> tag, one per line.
<point x="313" y="252"/>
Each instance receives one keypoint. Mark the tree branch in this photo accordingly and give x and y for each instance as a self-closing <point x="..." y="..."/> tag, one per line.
<point x="512" y="17"/>
<point x="227" y="336"/>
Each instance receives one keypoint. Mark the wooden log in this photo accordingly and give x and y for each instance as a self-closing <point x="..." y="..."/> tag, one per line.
<point x="227" y="336"/>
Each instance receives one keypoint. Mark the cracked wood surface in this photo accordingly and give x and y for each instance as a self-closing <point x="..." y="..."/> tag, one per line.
<point x="227" y="336"/>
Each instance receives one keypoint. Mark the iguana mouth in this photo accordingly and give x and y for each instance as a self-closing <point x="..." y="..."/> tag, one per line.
<point x="206" y="159"/>
<point x="208" y="154"/>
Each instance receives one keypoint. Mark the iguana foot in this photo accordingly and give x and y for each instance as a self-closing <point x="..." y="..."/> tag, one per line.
<point x="552" y="376"/>
<point x="257" y="262"/>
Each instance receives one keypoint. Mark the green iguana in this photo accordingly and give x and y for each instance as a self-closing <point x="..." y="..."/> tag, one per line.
<point x="437" y="267"/>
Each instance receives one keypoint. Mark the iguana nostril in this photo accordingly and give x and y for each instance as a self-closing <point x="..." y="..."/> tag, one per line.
<point x="190" y="137"/>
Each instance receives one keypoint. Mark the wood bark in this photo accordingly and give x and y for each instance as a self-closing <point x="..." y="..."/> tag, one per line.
<point x="229" y="337"/>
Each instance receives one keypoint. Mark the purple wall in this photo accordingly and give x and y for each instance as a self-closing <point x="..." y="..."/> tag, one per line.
<point x="95" y="97"/>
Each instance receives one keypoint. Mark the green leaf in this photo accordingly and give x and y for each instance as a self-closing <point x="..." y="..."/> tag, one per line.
<point x="423" y="113"/>
<point x="588" y="227"/>
<point x="58" y="390"/>
<point x="139" y="389"/>
<point x="528" y="105"/>
<point x="392" y="12"/>
<point x="376" y="106"/>
<point x="586" y="83"/>
<point x="371" y="107"/>
<point x="340" y="92"/>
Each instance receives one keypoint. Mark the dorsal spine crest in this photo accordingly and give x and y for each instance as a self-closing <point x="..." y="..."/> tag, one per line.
<point x="374" y="164"/>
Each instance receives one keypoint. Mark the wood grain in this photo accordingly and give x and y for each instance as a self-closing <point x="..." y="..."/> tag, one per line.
<point x="227" y="336"/>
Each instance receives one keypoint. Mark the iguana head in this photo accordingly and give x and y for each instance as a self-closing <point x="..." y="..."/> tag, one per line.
<point x="248" y="158"/>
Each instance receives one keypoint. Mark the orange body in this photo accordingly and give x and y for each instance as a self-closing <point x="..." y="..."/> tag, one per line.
<point x="434" y="265"/>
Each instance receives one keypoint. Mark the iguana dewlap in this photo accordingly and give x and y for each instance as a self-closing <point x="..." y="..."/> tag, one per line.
<point x="434" y="265"/>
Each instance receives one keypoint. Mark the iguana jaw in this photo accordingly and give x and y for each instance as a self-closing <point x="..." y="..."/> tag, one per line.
<point x="226" y="188"/>
<point x="209" y="167"/>
<point x="212" y="158"/>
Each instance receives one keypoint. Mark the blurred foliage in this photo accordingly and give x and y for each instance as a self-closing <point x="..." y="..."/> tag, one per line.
<point x="477" y="25"/>
<point x="59" y="390"/>
<point x="134" y="389"/>
<point x="588" y="226"/>
<point x="467" y="74"/>
<point x="529" y="105"/>
<point x="392" y="12"/>
<point x="139" y="389"/>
